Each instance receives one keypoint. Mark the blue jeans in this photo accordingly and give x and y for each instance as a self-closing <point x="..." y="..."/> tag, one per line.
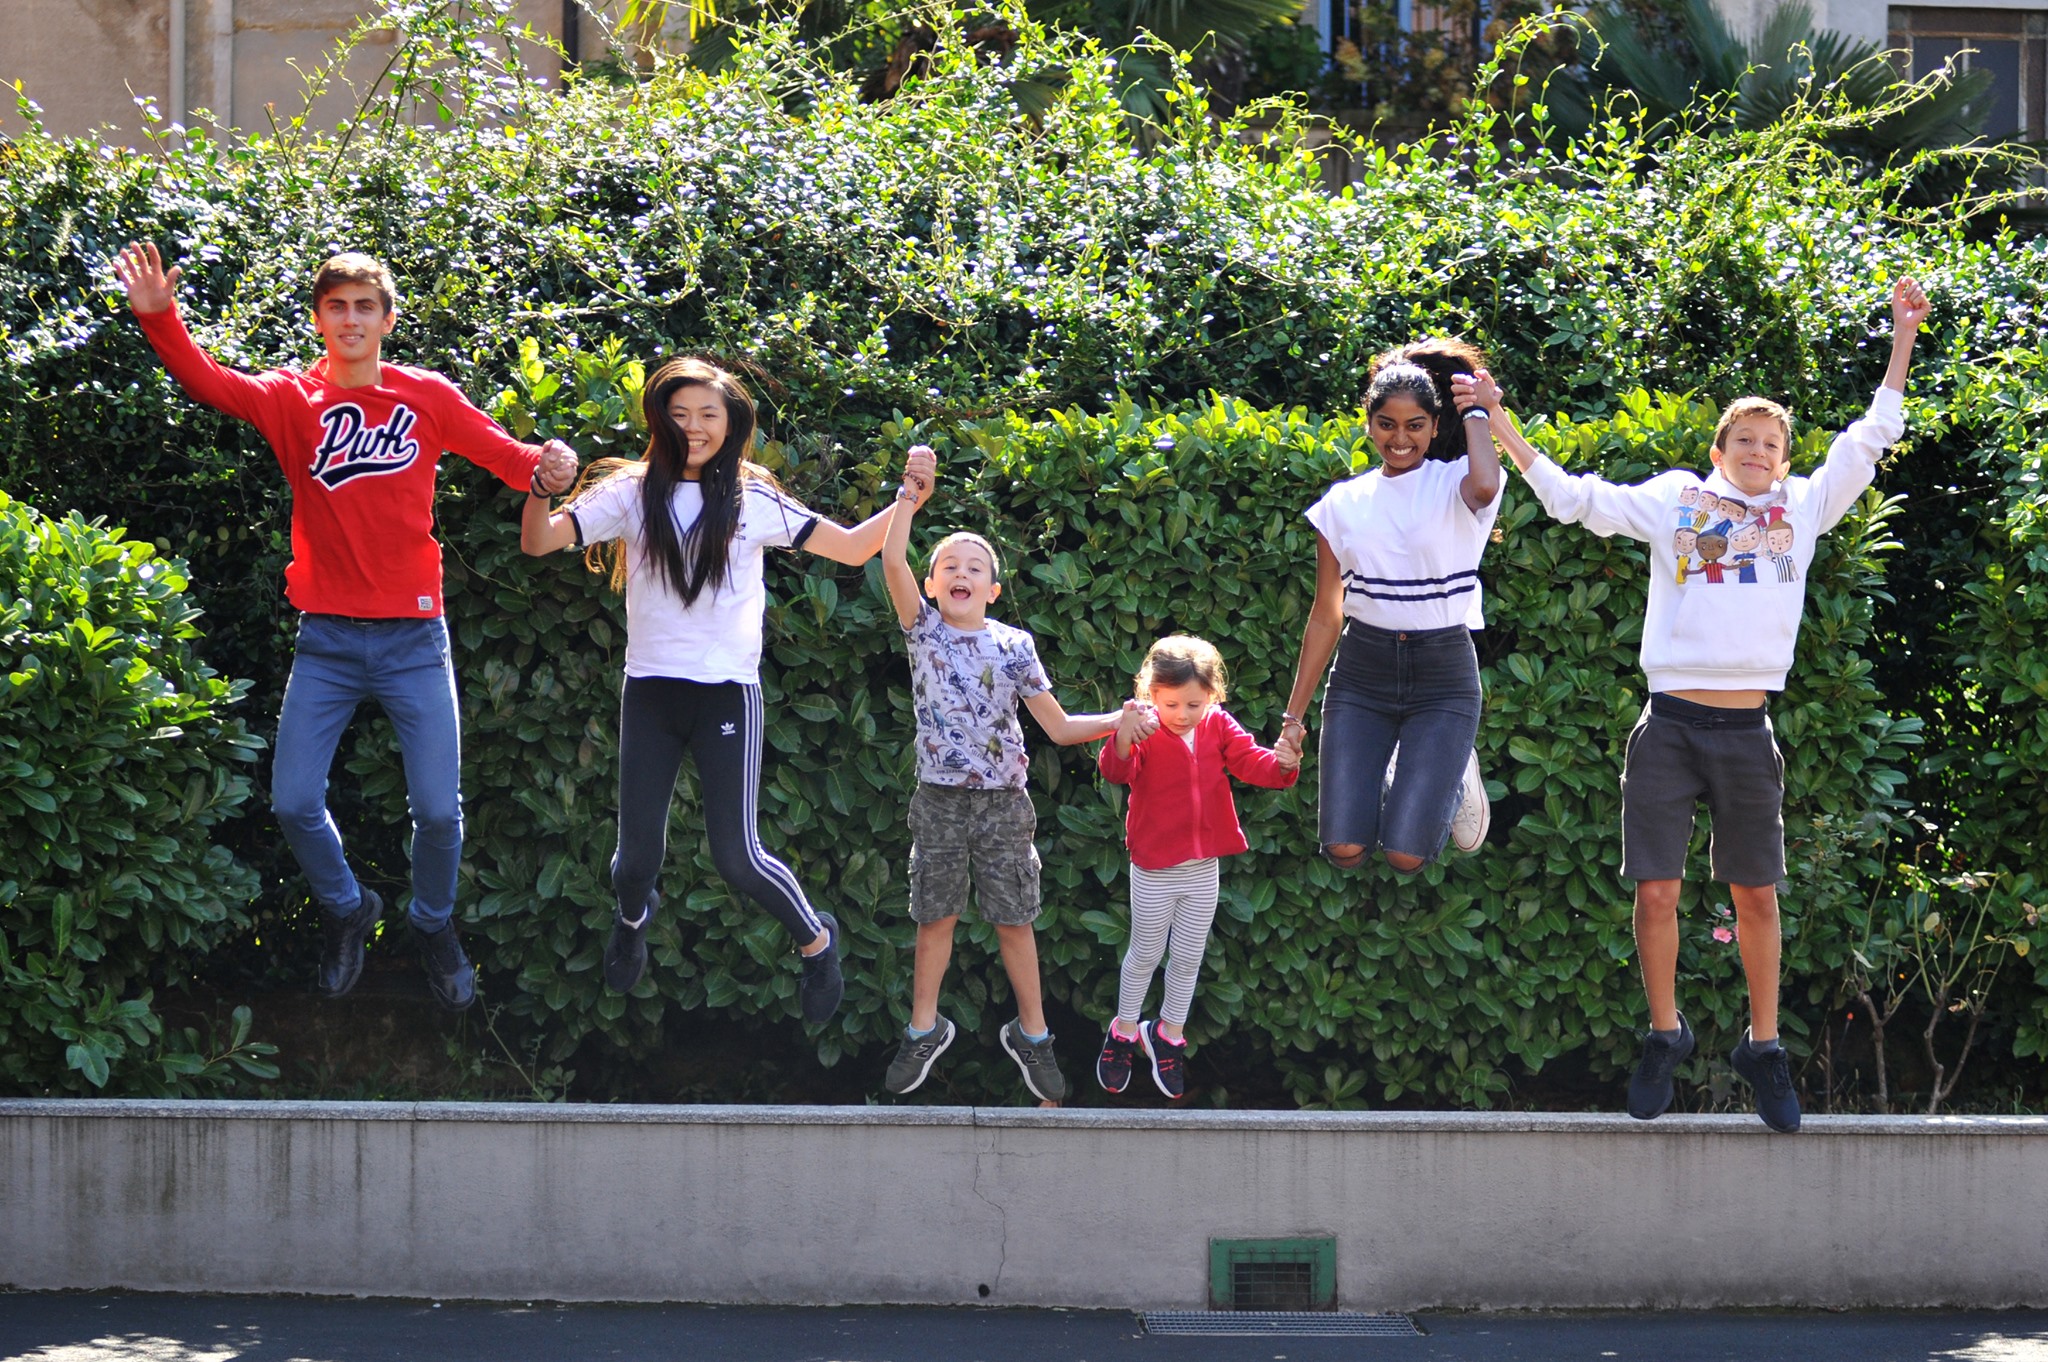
<point x="1419" y="689"/>
<point x="403" y="665"/>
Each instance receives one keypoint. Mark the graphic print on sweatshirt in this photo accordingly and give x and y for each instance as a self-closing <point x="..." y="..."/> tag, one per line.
<point x="1723" y="540"/>
<point x="348" y="449"/>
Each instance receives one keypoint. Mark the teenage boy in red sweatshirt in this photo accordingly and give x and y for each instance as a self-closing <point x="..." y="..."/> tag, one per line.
<point x="358" y="440"/>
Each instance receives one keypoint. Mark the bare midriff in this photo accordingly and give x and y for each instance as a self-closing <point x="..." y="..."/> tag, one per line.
<point x="1722" y="699"/>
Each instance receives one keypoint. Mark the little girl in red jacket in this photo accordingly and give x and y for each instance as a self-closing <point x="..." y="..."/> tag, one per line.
<point x="1180" y="823"/>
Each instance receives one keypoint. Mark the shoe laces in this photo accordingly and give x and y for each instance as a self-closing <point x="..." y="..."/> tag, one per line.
<point x="1777" y="1071"/>
<point x="1169" y="1056"/>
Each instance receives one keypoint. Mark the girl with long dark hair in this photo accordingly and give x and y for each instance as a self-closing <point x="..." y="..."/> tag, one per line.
<point x="1397" y="599"/>
<point x="682" y="532"/>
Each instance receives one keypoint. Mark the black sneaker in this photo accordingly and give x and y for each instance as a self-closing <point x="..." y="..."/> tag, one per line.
<point x="341" y="945"/>
<point x="1649" y="1090"/>
<point x="822" y="985"/>
<point x="625" y="950"/>
<point x="1041" y="1071"/>
<point x="1769" y="1072"/>
<point x="1113" y="1066"/>
<point x="1169" y="1061"/>
<point x="450" y="976"/>
<point x="916" y="1055"/>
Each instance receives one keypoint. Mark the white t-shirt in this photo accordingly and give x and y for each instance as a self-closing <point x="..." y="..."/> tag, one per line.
<point x="1408" y="546"/>
<point x="718" y="638"/>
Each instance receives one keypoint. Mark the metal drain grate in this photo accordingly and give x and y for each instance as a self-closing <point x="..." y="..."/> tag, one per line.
<point x="1274" y="1323"/>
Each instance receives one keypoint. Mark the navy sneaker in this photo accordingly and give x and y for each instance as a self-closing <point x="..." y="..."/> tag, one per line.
<point x="1041" y="1071"/>
<point x="1113" y="1066"/>
<point x="625" y="950"/>
<point x="341" y="944"/>
<point x="450" y="976"/>
<point x="1169" y="1061"/>
<point x="1649" y="1090"/>
<point x="1769" y="1072"/>
<point x="916" y="1055"/>
<point x="822" y="985"/>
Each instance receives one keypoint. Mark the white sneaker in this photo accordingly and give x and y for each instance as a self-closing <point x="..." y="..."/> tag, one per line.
<point x="1474" y="814"/>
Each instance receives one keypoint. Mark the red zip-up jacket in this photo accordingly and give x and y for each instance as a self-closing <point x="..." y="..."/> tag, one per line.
<point x="360" y="462"/>
<point x="1180" y="807"/>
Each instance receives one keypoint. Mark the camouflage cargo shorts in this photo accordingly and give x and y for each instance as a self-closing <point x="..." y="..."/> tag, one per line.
<point x="958" y="833"/>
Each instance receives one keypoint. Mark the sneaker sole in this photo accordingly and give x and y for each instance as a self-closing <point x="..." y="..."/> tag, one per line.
<point x="914" y="1084"/>
<point x="1026" y="1070"/>
<point x="1145" y="1039"/>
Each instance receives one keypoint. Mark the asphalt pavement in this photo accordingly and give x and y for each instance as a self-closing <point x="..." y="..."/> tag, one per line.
<point x="107" y="1327"/>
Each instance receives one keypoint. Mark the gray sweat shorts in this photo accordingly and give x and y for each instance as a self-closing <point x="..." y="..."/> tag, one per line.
<point x="1681" y="753"/>
<point x="987" y="835"/>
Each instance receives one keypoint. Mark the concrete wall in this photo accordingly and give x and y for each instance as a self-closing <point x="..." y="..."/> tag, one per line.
<point x="952" y="1205"/>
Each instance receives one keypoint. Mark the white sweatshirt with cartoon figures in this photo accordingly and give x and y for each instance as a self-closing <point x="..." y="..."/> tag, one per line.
<point x="1728" y="570"/>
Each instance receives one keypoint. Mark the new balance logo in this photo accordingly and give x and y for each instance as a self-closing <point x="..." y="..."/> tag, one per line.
<point x="348" y="450"/>
<point x="726" y="730"/>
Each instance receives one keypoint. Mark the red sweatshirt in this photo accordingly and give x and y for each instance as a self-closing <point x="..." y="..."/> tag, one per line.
<point x="1180" y="807"/>
<point x="361" y="466"/>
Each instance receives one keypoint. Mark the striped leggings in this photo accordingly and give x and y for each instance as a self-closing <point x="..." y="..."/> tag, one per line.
<point x="1171" y="908"/>
<point x="661" y="720"/>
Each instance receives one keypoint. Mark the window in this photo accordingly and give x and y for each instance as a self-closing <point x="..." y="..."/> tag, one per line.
<point x="2011" y="44"/>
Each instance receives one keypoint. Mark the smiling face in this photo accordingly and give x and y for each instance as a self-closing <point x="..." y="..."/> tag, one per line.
<point x="1402" y="432"/>
<point x="1751" y="454"/>
<point x="1181" y="707"/>
<point x="962" y="583"/>
<point x="698" y="411"/>
<point x="353" y="320"/>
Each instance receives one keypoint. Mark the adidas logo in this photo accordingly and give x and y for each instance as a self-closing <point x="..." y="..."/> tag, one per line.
<point x="726" y="730"/>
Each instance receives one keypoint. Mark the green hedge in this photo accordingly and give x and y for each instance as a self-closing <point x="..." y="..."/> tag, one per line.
<point x="919" y="268"/>
<point x="117" y="760"/>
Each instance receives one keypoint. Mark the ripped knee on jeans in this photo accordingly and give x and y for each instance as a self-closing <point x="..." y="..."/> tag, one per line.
<point x="1405" y="863"/>
<point x="1345" y="855"/>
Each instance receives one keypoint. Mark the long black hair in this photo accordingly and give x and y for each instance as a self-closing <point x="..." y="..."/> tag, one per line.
<point x="1421" y="371"/>
<point x="688" y="561"/>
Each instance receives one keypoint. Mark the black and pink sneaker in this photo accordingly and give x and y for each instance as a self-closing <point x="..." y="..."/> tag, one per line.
<point x="1119" y="1056"/>
<point x="1169" y="1060"/>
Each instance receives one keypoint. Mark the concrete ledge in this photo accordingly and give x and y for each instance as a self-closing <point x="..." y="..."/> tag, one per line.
<point x="949" y="1205"/>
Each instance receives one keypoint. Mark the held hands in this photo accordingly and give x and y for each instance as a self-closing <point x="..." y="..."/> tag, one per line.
<point x="557" y="469"/>
<point x="1288" y="750"/>
<point x="920" y="475"/>
<point x="1909" y="306"/>
<point x="141" y="272"/>
<point x="1476" y="389"/>
<point x="1137" y="723"/>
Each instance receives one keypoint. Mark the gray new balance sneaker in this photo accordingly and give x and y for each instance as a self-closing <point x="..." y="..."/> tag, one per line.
<point x="1041" y="1071"/>
<point x="916" y="1055"/>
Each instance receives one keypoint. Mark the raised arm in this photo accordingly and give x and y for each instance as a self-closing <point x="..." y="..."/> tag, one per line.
<point x="1482" y="461"/>
<point x="1909" y="309"/>
<point x="152" y="293"/>
<point x="896" y="570"/>
<point x="1068" y="729"/>
<point x="855" y="546"/>
<point x="1478" y="391"/>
